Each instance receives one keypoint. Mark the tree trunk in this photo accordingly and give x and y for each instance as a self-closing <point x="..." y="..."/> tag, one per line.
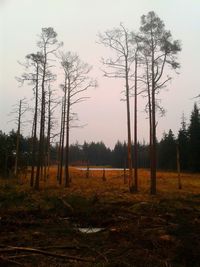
<point x="63" y="133"/>
<point x="67" y="178"/>
<point x="48" y="136"/>
<point x="129" y="131"/>
<point x="178" y="166"/>
<point x="153" y="145"/>
<point x="34" y="141"/>
<point x="135" y="133"/>
<point x="18" y="136"/>
<point x="60" y="141"/>
<point x="40" y="161"/>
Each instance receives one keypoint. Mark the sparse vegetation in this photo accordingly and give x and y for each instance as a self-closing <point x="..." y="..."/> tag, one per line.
<point x="55" y="214"/>
<point x="138" y="230"/>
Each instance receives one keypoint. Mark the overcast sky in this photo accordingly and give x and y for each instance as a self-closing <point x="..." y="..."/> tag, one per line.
<point x="77" y="23"/>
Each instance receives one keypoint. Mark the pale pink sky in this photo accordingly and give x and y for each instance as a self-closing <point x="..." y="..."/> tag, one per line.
<point x="77" y="23"/>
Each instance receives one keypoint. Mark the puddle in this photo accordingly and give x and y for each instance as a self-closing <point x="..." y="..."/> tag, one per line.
<point x="90" y="230"/>
<point x="100" y="169"/>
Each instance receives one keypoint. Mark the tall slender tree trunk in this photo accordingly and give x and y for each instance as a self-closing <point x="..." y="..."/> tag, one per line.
<point x="178" y="166"/>
<point x="153" y="110"/>
<point x="129" y="130"/>
<point x="60" y="141"/>
<point x="63" y="133"/>
<point x="67" y="178"/>
<point x="150" y="113"/>
<point x="48" y="135"/>
<point x="135" y="133"/>
<point x="18" y="137"/>
<point x="34" y="141"/>
<point x="40" y="161"/>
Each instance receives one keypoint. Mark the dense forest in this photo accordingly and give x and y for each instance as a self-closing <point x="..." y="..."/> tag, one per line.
<point x="96" y="153"/>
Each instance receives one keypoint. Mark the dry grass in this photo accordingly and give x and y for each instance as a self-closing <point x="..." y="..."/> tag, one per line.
<point x="167" y="183"/>
<point x="140" y="230"/>
<point x="112" y="190"/>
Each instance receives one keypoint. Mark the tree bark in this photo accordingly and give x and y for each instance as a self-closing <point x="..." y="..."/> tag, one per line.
<point x="67" y="178"/>
<point x="153" y="110"/>
<point x="135" y="132"/>
<point x="129" y="130"/>
<point x="178" y="166"/>
<point x="34" y="130"/>
<point x="40" y="162"/>
<point x="63" y="133"/>
<point x="18" y="137"/>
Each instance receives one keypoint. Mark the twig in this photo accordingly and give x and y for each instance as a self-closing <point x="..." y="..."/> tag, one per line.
<point x="67" y="205"/>
<point x="4" y="259"/>
<point x="21" y="256"/>
<point x="46" y="253"/>
<point x="62" y="247"/>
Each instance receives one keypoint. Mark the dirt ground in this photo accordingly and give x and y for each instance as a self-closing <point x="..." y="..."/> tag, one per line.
<point x="43" y="228"/>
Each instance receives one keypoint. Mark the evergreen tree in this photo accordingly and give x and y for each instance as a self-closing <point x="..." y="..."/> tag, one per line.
<point x="194" y="140"/>
<point x="119" y="155"/>
<point x="167" y="152"/>
<point x="183" y="142"/>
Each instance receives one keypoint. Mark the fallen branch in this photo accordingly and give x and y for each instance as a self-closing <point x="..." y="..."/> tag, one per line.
<point x="76" y="248"/>
<point x="45" y="253"/>
<point x="62" y="247"/>
<point x="67" y="205"/>
<point x="19" y="256"/>
<point x="4" y="259"/>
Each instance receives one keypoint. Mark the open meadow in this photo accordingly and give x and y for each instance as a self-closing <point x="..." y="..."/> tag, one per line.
<point x="97" y="222"/>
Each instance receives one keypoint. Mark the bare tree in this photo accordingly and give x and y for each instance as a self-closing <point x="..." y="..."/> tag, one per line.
<point x="32" y="76"/>
<point x="120" y="41"/>
<point x="51" y="122"/>
<point x="77" y="82"/>
<point x="18" y="110"/>
<point x="136" y="41"/>
<point x="48" y="45"/>
<point x="61" y="143"/>
<point x="160" y="52"/>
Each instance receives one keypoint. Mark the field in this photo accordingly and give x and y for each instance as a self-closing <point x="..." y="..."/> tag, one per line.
<point x="46" y="228"/>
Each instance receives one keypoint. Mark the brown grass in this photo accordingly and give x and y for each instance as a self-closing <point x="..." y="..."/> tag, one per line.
<point x="140" y="230"/>
<point x="167" y="183"/>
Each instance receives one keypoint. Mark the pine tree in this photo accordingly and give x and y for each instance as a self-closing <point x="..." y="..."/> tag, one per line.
<point x="194" y="140"/>
<point x="183" y="142"/>
<point x="167" y="151"/>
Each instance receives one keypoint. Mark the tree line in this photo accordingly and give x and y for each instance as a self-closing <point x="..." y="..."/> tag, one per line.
<point x="96" y="153"/>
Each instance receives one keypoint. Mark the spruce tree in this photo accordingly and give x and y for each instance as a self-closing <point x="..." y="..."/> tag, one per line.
<point x="194" y="140"/>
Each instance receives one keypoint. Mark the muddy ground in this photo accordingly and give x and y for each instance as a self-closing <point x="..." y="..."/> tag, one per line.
<point x="42" y="230"/>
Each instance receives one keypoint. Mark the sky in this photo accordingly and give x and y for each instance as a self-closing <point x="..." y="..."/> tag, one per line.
<point x="77" y="23"/>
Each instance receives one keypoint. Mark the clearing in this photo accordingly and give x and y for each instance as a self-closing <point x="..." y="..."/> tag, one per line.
<point x="45" y="228"/>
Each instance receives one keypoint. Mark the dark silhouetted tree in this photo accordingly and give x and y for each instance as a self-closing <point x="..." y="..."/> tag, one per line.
<point x="194" y="140"/>
<point x="167" y="152"/>
<point x="183" y="143"/>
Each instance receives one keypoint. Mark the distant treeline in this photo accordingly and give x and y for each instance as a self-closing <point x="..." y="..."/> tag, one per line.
<point x="96" y="153"/>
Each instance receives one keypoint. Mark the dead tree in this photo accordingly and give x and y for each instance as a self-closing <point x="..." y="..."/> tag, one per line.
<point x="48" y="45"/>
<point x="62" y="133"/>
<point x="77" y="82"/>
<point x="61" y="144"/>
<point x="18" y="110"/>
<point x="32" y="77"/>
<point x="120" y="41"/>
<point x="137" y="60"/>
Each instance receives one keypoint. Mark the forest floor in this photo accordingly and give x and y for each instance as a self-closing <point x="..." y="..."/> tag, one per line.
<point x="45" y="228"/>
